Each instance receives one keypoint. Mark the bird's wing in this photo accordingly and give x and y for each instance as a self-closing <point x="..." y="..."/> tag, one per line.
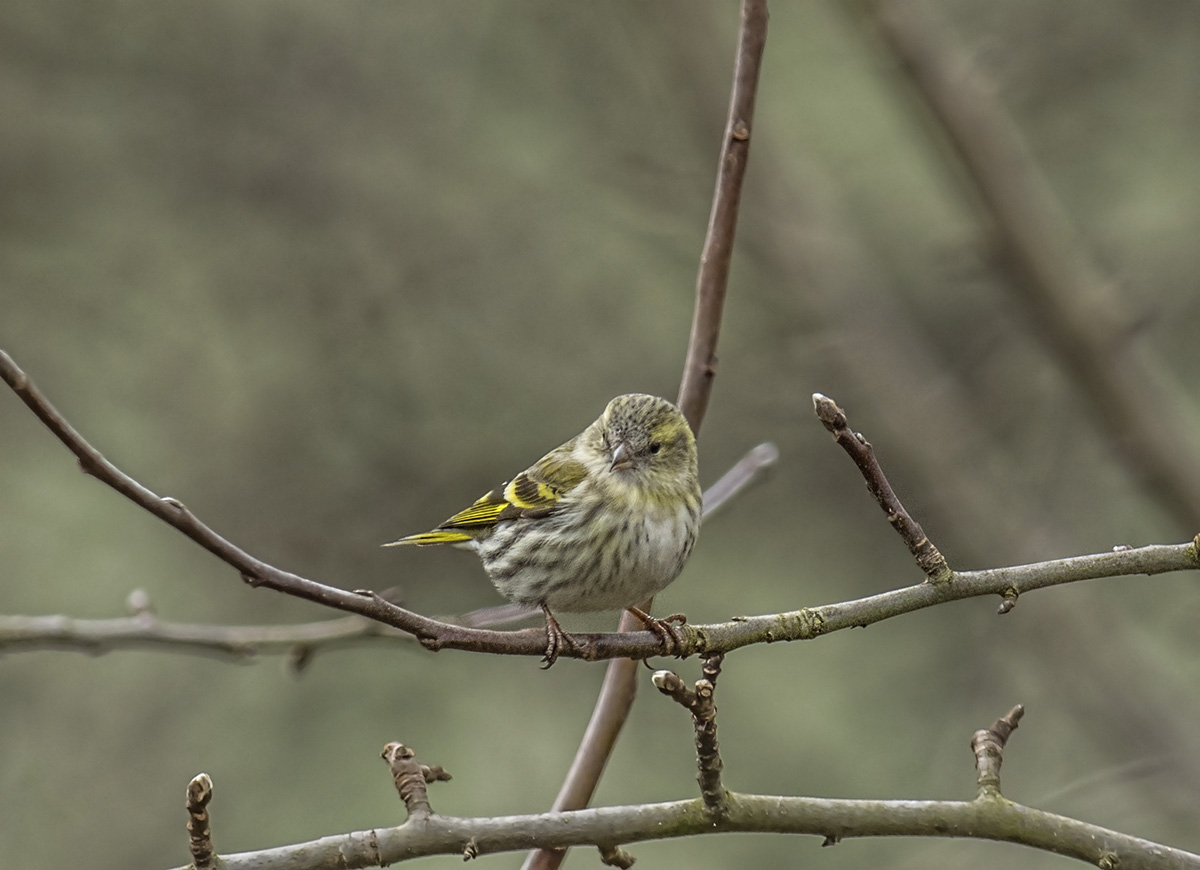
<point x="534" y="493"/>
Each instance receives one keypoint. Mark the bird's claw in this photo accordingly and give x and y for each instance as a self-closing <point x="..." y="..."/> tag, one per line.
<point x="556" y="639"/>
<point x="668" y="636"/>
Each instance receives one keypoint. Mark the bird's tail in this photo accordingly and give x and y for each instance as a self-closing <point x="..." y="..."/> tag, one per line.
<point x="427" y="539"/>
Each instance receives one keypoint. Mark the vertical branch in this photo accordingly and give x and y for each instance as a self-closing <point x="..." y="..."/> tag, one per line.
<point x="200" y="840"/>
<point x="712" y="280"/>
<point x="620" y="685"/>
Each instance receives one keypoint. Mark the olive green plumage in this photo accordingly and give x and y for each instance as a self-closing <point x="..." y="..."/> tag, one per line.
<point x="603" y="522"/>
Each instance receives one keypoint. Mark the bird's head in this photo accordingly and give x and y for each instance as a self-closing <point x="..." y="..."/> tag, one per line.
<point x="646" y="441"/>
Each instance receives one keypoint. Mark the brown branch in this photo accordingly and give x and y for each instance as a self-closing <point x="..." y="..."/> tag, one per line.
<point x="929" y="558"/>
<point x="701" y="705"/>
<point x="411" y="777"/>
<point x="200" y="843"/>
<point x="810" y="622"/>
<point x="988" y="746"/>
<point x="699" y="368"/>
<point x="615" y="856"/>
<point x="434" y="635"/>
<point x="1078" y="309"/>
<point x="144" y="629"/>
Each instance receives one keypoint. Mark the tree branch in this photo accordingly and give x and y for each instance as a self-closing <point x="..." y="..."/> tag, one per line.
<point x="712" y="280"/>
<point x="988" y="745"/>
<point x="22" y="632"/>
<point x="987" y="817"/>
<point x="145" y="630"/>
<point x="636" y="645"/>
<point x="833" y="820"/>
<point x="929" y="558"/>
<point x="200" y="842"/>
<point x="701" y="704"/>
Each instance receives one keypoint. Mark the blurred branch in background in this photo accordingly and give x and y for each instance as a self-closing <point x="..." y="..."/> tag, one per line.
<point x="146" y="631"/>
<point x="1078" y="309"/>
<point x="624" y="645"/>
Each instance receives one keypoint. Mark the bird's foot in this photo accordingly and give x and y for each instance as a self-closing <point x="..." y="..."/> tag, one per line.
<point x="556" y="639"/>
<point x="668" y="636"/>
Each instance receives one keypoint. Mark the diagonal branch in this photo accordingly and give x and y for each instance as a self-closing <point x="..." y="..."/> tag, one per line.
<point x="929" y="558"/>
<point x="1077" y="307"/>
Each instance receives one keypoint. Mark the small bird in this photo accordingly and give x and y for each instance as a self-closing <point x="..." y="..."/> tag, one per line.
<point x="601" y="523"/>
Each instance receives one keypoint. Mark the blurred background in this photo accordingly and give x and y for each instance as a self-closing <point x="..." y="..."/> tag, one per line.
<point x="325" y="272"/>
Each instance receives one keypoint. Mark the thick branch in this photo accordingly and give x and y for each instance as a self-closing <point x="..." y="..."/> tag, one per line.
<point x="986" y="817"/>
<point x="832" y="820"/>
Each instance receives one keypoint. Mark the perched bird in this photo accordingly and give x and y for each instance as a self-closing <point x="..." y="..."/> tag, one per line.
<point x="601" y="523"/>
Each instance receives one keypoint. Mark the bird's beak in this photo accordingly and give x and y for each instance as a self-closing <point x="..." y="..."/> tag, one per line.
<point x="622" y="457"/>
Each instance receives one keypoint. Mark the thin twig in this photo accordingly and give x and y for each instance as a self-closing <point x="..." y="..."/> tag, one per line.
<point x="748" y="471"/>
<point x="1077" y="307"/>
<point x="98" y="636"/>
<point x="988" y="745"/>
<point x="699" y="368"/>
<point x="712" y="280"/>
<point x="701" y="704"/>
<point x="411" y="777"/>
<point x="200" y="842"/>
<point x="929" y="558"/>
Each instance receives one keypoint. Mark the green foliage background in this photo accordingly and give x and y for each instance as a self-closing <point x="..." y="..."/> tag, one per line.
<point x="324" y="271"/>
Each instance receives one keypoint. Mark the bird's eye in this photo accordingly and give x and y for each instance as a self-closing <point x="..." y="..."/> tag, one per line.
<point x="655" y="446"/>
